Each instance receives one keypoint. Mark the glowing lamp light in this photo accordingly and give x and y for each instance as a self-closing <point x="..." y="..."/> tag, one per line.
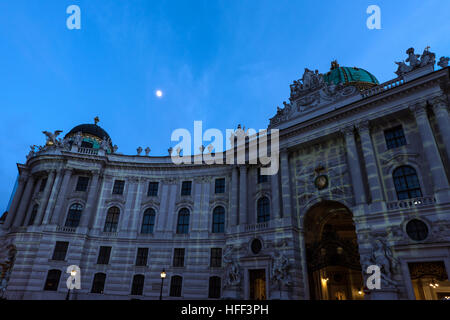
<point x="73" y="273"/>
<point x="163" y="274"/>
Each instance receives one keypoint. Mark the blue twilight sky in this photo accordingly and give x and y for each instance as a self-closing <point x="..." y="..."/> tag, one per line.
<point x="223" y="62"/>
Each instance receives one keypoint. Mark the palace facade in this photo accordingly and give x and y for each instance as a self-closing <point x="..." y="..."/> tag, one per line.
<point x="363" y="180"/>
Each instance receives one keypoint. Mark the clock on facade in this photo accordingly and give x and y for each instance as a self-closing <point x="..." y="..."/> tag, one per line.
<point x="321" y="182"/>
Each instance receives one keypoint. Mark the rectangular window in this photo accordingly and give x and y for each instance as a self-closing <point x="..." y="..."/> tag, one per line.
<point x="178" y="257"/>
<point x="152" y="189"/>
<point x="216" y="257"/>
<point x="186" y="188"/>
<point x="60" y="250"/>
<point x="220" y="185"/>
<point x="142" y="256"/>
<point x="118" y="186"/>
<point x="395" y="137"/>
<point x="43" y="184"/>
<point x="52" y="281"/>
<point x="82" y="184"/>
<point x="262" y="178"/>
<point x="214" y="287"/>
<point x="103" y="255"/>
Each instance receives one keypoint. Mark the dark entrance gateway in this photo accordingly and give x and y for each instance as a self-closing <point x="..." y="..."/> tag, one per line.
<point x="334" y="269"/>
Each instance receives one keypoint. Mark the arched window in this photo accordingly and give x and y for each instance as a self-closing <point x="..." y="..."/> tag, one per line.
<point x="138" y="285"/>
<point x="148" y="221"/>
<point x="263" y="210"/>
<point x="112" y="220"/>
<point x="175" y="286"/>
<point x="74" y="215"/>
<point x="218" y="220"/>
<point x="33" y="214"/>
<point x="52" y="282"/>
<point x="183" y="221"/>
<point x="215" y="284"/>
<point x="406" y="183"/>
<point x="98" y="285"/>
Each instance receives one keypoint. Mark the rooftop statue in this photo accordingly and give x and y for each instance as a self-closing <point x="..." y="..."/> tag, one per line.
<point x="415" y="61"/>
<point x="51" y="137"/>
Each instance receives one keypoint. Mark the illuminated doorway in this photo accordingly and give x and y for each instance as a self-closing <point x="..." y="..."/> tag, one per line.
<point x="430" y="280"/>
<point x="334" y="269"/>
<point x="257" y="284"/>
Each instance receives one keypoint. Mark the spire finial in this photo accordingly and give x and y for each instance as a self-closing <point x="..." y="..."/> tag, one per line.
<point x="96" y="120"/>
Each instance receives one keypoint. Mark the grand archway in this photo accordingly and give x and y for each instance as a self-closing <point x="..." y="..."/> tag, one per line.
<point x="334" y="269"/>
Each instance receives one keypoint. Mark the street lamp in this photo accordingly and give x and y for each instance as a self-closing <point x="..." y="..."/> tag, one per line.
<point x="73" y="273"/>
<point x="163" y="276"/>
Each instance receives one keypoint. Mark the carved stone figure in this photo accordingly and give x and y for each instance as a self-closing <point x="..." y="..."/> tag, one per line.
<point x="170" y="151"/>
<point x="443" y="62"/>
<point x="232" y="272"/>
<point x="104" y="144"/>
<point x="147" y="151"/>
<point x="413" y="58"/>
<point x="279" y="271"/>
<point x="51" y="137"/>
<point x="402" y="68"/>
<point x="382" y="256"/>
<point x="427" y="58"/>
<point x="115" y="147"/>
<point x="139" y="151"/>
<point x="7" y="257"/>
<point x="78" y="139"/>
<point x="307" y="79"/>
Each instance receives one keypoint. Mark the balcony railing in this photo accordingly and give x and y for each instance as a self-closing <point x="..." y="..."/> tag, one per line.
<point x="66" y="229"/>
<point x="87" y="151"/>
<point x="383" y="87"/>
<point x="258" y="226"/>
<point x="411" y="203"/>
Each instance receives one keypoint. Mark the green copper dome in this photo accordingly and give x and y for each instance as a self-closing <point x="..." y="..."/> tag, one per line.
<point x="357" y="77"/>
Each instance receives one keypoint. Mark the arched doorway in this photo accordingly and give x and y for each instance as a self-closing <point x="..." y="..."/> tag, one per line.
<point x="334" y="269"/>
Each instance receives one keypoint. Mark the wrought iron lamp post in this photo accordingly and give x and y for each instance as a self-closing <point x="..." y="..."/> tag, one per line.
<point x="163" y="276"/>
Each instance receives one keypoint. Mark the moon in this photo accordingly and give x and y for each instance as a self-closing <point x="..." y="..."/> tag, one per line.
<point x="159" y="93"/>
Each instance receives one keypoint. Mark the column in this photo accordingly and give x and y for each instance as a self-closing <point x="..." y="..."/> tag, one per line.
<point x="441" y="112"/>
<point x="234" y="197"/>
<point x="16" y="200"/>
<point x="243" y="195"/>
<point x="135" y="221"/>
<point x="45" y="198"/>
<point x="285" y="183"/>
<point x="58" y="215"/>
<point x="440" y="183"/>
<point x="354" y="166"/>
<point x="275" y="195"/>
<point x="52" y="199"/>
<point x="376" y="191"/>
<point x="131" y="186"/>
<point x="24" y="202"/>
<point x="90" y="204"/>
